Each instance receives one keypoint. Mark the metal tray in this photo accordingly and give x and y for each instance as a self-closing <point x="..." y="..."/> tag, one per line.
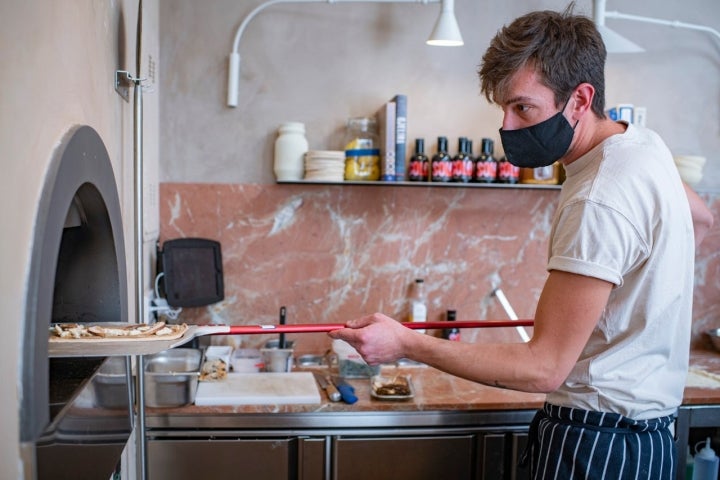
<point x="379" y="380"/>
<point x="171" y="377"/>
<point x="110" y="384"/>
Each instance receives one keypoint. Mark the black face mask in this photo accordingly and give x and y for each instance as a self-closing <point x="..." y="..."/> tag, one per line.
<point x="538" y="145"/>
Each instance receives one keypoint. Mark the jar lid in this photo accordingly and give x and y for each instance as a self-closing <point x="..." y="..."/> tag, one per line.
<point x="292" y="127"/>
<point x="362" y="123"/>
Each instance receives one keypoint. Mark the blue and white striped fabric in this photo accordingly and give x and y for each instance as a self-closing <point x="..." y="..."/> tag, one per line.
<point x="569" y="443"/>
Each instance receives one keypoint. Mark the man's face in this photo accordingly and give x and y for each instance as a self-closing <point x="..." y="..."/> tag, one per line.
<point x="526" y="102"/>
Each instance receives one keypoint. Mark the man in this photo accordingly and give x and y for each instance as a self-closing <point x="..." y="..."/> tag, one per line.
<point x="612" y="326"/>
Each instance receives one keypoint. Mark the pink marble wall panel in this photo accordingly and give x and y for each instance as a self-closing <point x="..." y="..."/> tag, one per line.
<point x="332" y="253"/>
<point x="706" y="306"/>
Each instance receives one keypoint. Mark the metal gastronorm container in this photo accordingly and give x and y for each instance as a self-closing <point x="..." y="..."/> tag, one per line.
<point x="171" y="377"/>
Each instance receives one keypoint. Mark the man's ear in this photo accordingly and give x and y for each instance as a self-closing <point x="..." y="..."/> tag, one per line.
<point x="582" y="100"/>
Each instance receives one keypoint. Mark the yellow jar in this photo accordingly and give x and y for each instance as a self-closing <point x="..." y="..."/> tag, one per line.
<point x="362" y="151"/>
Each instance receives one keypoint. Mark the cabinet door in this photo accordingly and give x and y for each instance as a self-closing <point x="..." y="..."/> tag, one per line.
<point x="393" y="458"/>
<point x="220" y="459"/>
<point x="519" y="442"/>
<point x="311" y="458"/>
<point x="492" y="452"/>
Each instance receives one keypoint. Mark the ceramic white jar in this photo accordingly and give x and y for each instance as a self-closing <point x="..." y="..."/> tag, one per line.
<point x="290" y="148"/>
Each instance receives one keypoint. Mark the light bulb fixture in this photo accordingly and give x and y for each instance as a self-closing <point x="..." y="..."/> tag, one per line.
<point x="446" y="33"/>
<point x="616" y="43"/>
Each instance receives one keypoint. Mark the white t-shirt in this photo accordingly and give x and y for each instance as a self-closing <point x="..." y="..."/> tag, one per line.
<point x="624" y="217"/>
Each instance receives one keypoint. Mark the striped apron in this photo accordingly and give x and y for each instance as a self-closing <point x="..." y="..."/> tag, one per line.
<point x="568" y="443"/>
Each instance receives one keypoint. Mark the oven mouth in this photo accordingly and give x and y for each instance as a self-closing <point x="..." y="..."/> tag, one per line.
<point x="77" y="273"/>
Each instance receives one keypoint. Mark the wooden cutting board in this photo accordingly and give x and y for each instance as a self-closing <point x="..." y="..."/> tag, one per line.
<point x="259" y="389"/>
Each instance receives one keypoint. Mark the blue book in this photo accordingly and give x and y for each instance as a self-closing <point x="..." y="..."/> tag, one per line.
<point x="400" y="135"/>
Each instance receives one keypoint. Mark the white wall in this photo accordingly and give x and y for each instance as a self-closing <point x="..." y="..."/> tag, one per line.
<point x="58" y="60"/>
<point x="322" y="63"/>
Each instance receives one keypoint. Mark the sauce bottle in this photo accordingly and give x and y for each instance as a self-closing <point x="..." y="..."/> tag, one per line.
<point x="419" y="163"/>
<point x="452" y="333"/>
<point x="486" y="165"/>
<point x="706" y="463"/>
<point x="507" y="172"/>
<point x="441" y="164"/>
<point x="462" y="165"/>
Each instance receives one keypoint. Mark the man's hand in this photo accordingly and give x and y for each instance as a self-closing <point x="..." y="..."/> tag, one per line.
<point x="377" y="337"/>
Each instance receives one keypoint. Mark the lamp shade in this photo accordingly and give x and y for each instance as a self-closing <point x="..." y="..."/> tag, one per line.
<point x="446" y="32"/>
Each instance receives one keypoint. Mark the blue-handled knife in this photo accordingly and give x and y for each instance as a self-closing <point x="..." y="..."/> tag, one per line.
<point x="347" y="391"/>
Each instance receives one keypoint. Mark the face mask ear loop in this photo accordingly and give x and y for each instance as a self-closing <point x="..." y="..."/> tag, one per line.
<point x="563" y="110"/>
<point x="565" y="106"/>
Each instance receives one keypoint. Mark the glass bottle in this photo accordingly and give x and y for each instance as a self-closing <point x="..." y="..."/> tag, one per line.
<point x="362" y="150"/>
<point x="290" y="148"/>
<point x="441" y="164"/>
<point x="486" y="166"/>
<point x="452" y="333"/>
<point x="461" y="162"/>
<point x="419" y="163"/>
<point x="418" y="303"/>
<point x="507" y="172"/>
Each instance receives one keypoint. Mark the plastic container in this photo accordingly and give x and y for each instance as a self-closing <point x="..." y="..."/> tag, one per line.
<point x="290" y="148"/>
<point x="246" y="360"/>
<point x="277" y="360"/>
<point x="706" y="463"/>
<point x="350" y="363"/>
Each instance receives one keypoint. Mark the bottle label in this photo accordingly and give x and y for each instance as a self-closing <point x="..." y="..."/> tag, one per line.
<point x="508" y="171"/>
<point x="417" y="170"/>
<point x="418" y="312"/>
<point x="362" y="152"/>
<point x="485" y="170"/>
<point x="441" y="170"/>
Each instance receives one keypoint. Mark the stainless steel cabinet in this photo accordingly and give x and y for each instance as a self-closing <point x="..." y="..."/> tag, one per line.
<point x="480" y="445"/>
<point x="418" y="458"/>
<point x="222" y="459"/>
<point x="462" y="456"/>
<point x="339" y="445"/>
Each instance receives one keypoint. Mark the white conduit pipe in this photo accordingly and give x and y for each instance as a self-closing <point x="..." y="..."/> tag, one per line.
<point x="511" y="313"/>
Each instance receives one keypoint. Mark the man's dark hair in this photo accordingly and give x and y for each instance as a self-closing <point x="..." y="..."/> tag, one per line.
<point x="564" y="49"/>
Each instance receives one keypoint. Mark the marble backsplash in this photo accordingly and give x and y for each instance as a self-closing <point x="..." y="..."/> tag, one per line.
<point x="332" y="253"/>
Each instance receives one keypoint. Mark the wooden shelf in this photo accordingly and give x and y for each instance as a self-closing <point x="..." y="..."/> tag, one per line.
<point x="523" y="186"/>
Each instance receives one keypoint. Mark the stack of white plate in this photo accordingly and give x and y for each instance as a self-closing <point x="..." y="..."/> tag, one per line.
<point x="325" y="165"/>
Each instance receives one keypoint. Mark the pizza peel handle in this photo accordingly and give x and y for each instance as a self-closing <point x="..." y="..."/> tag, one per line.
<point x="328" y="327"/>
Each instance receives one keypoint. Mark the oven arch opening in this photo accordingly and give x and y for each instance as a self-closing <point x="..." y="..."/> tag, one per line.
<point x="77" y="269"/>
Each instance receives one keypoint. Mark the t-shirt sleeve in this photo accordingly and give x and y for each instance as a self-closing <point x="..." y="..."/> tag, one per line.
<point x="596" y="241"/>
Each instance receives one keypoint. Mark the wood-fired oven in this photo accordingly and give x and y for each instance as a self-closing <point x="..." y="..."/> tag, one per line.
<point x="77" y="274"/>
